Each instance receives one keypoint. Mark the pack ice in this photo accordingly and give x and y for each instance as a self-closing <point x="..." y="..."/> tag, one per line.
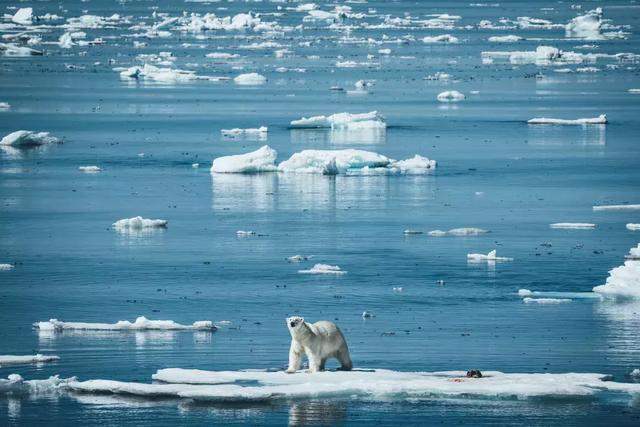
<point x="26" y="138"/>
<point x="623" y="281"/>
<point x="140" y="324"/>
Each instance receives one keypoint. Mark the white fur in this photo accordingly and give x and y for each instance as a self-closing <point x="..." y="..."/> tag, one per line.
<point x="319" y="341"/>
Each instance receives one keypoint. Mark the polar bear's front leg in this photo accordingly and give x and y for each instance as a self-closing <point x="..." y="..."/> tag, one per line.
<point x="295" y="357"/>
<point x="315" y="363"/>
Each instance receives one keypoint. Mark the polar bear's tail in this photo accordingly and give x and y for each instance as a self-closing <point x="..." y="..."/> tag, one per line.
<point x="344" y="359"/>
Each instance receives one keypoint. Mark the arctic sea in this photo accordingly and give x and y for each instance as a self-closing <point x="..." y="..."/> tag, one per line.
<point x="494" y="171"/>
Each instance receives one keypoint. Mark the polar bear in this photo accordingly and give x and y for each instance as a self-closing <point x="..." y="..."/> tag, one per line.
<point x="319" y="341"/>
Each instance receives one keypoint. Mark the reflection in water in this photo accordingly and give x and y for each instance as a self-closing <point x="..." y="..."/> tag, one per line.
<point x="142" y="339"/>
<point x="315" y="412"/>
<point x="14" y="407"/>
<point x="153" y="338"/>
<point x="242" y="191"/>
<point x="623" y="320"/>
<point x="316" y="137"/>
<point x="591" y="135"/>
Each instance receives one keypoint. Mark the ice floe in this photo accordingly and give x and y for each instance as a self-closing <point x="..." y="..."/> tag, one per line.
<point x="633" y="227"/>
<point x="323" y="269"/>
<point x="24" y="16"/>
<point x="16" y="385"/>
<point x="559" y="295"/>
<point x="490" y="257"/>
<point x="140" y="324"/>
<point x="260" y="132"/>
<point x="89" y="169"/>
<point x="616" y="207"/>
<point x="600" y="120"/>
<point x="261" y="160"/>
<point x="505" y="39"/>
<point x="623" y="281"/>
<point x="250" y="79"/>
<point x="573" y="225"/>
<point x="10" y="49"/>
<point x="26" y="360"/>
<point x="543" y="55"/>
<point x="528" y="300"/>
<point x="4" y="106"/>
<point x="371" y="120"/>
<point x="451" y="96"/>
<point x="444" y="38"/>
<point x="586" y="26"/>
<point x="26" y="138"/>
<point x="463" y="231"/>
<point x="298" y="258"/>
<point x="6" y="267"/>
<point x="137" y="223"/>
<point x="412" y="232"/>
<point x="245" y="233"/>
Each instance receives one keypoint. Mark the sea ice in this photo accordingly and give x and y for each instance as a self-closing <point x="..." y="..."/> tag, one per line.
<point x="450" y="96"/>
<point x="545" y="300"/>
<point x="616" y="207"/>
<point x="572" y="225"/>
<point x="623" y="281"/>
<point x="505" y="39"/>
<point x="15" y="384"/>
<point x="250" y="79"/>
<point x="26" y="138"/>
<point x="490" y="257"/>
<point x="586" y="26"/>
<point x="10" y="49"/>
<point x="369" y="120"/>
<point x="235" y="132"/>
<point x="261" y="160"/>
<point x="409" y="231"/>
<point x="297" y="258"/>
<point x="600" y="120"/>
<point x="633" y="227"/>
<point x="89" y="169"/>
<point x="25" y="360"/>
<point x="140" y="324"/>
<point x="444" y="38"/>
<point x="6" y="267"/>
<point x="464" y="231"/>
<point x="4" y="106"/>
<point x="138" y="223"/>
<point x="23" y="16"/>
<point x="323" y="269"/>
<point x="245" y="233"/>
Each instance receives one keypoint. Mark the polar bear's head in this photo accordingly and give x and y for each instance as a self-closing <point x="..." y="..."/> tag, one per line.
<point x="294" y="324"/>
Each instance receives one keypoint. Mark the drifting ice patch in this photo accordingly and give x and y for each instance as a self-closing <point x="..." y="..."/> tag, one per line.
<point x="23" y="16"/>
<point x="623" y="281"/>
<point x="633" y="227"/>
<point x="323" y="269"/>
<point x="141" y="324"/>
<point x="261" y="160"/>
<point x="89" y="169"/>
<point x="25" y="360"/>
<point x="410" y="232"/>
<point x="505" y="39"/>
<point x="586" y="26"/>
<point x="10" y="49"/>
<point x="464" y="231"/>
<point x="560" y="295"/>
<point x="6" y="267"/>
<point x="27" y="138"/>
<point x="371" y="120"/>
<point x="379" y="384"/>
<point x="490" y="257"/>
<point x="250" y="79"/>
<point x="260" y="132"/>
<point x="545" y="300"/>
<point x="298" y="258"/>
<point x="444" y="38"/>
<point x="600" y="120"/>
<point x="573" y="225"/>
<point x="451" y="96"/>
<point x="138" y="223"/>
<point x="616" y="208"/>
<point x="15" y="384"/>
<point x="243" y="233"/>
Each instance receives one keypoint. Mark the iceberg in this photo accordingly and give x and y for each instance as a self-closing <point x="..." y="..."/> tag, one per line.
<point x="586" y="26"/>
<point x="573" y="225"/>
<point x="23" y="16"/>
<point x="138" y="223"/>
<point x="600" y="120"/>
<point x="10" y="49"/>
<point x="323" y="269"/>
<point x="261" y="160"/>
<point x="26" y="360"/>
<point x="250" y="79"/>
<point x="371" y="120"/>
<point x="27" y="138"/>
<point x="616" y="207"/>
<point x="140" y="324"/>
<point x="490" y="257"/>
<point x="450" y="96"/>
<point x="623" y="281"/>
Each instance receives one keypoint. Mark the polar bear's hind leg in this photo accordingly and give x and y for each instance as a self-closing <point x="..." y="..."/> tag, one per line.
<point x="344" y="359"/>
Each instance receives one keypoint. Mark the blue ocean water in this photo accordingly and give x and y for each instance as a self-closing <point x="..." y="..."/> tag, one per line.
<point x="494" y="172"/>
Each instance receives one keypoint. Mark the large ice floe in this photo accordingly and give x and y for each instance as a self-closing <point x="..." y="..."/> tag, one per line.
<point x="623" y="281"/>
<point x="327" y="162"/>
<point x="377" y="384"/>
<point x="27" y="138"/>
<point x="370" y="120"/>
<point x="600" y="120"/>
<point x="139" y="223"/>
<point x="23" y="16"/>
<point x="26" y="360"/>
<point x="140" y="324"/>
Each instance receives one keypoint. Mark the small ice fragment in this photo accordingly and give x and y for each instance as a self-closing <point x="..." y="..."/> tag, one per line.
<point x="490" y="257"/>
<point x="635" y="373"/>
<point x="89" y="169"/>
<point x="297" y="258"/>
<point x="6" y="267"/>
<point x="367" y="315"/>
<point x="131" y="73"/>
<point x="261" y="131"/>
<point x="323" y="269"/>
<point x="600" y="120"/>
<point x="409" y="231"/>
<point x="4" y="106"/>
<point x="633" y="227"/>
<point x="370" y="120"/>
<point x="573" y="225"/>
<point x="505" y="39"/>
<point x="545" y="300"/>
<point x="26" y="138"/>
<point x="444" y="38"/>
<point x="195" y="165"/>
<point x="66" y="41"/>
<point x="450" y="96"/>
<point x="250" y="79"/>
<point x="616" y="207"/>
<point x="437" y="233"/>
<point x="25" y="360"/>
<point x="243" y="233"/>
<point x="398" y="289"/>
<point x="138" y="223"/>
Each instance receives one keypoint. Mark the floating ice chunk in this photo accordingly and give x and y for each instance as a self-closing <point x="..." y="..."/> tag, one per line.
<point x="505" y="39"/>
<point x="138" y="223"/>
<point x="633" y="227"/>
<point x="635" y="373"/>
<point x="559" y="295"/>
<point x="438" y="76"/>
<point x="417" y="165"/>
<point x="250" y="79"/>
<point x="543" y="55"/>
<point x="450" y="96"/>
<point x="524" y="292"/>
<point x="458" y="232"/>
<point x="633" y="90"/>
<point x="261" y="160"/>
<point x="573" y="225"/>
<point x="409" y="232"/>
<point x="244" y="233"/>
<point x="545" y="300"/>
<point x="6" y="267"/>
<point x="222" y="55"/>
<point x="616" y="208"/>
<point x="398" y="289"/>
<point x="437" y="233"/>
<point x="600" y="120"/>
<point x="131" y="73"/>
<point x="259" y="132"/>
<point x="367" y="315"/>
<point x="305" y="7"/>
<point x="26" y="360"/>
<point x="490" y="257"/>
<point x="89" y="169"/>
<point x="141" y="324"/>
<point x="363" y="84"/>
<point x="371" y="120"/>
<point x="10" y="49"/>
<point x="15" y="385"/>
<point x="298" y="258"/>
<point x="23" y="16"/>
<point x="444" y="38"/>
<point x="323" y="269"/>
<point x="586" y="26"/>
<point x="623" y="281"/>
<point x="65" y="41"/>
<point x="195" y="165"/>
<point x="4" y="106"/>
<point x="26" y="138"/>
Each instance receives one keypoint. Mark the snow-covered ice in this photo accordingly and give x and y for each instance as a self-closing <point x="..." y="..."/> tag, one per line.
<point x="616" y="207"/>
<point x="138" y="223"/>
<point x="323" y="269"/>
<point x="458" y="232"/>
<point x="370" y="120"/>
<point x="260" y="132"/>
<point x="623" y="281"/>
<point x="586" y="26"/>
<point x="633" y="227"/>
<point x="443" y="38"/>
<point x="528" y="300"/>
<point x="600" y="120"/>
<point x="490" y="257"/>
<point x="451" y="96"/>
<point x="261" y="160"/>
<point x="89" y="169"/>
<point x="23" y="16"/>
<point x="298" y="258"/>
<point x="505" y="39"/>
<point x="26" y="360"/>
<point x="573" y="225"/>
<point x="26" y="138"/>
<point x="6" y="267"/>
<point x="140" y="324"/>
<point x="250" y="79"/>
<point x="16" y="385"/>
<point x="245" y="233"/>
